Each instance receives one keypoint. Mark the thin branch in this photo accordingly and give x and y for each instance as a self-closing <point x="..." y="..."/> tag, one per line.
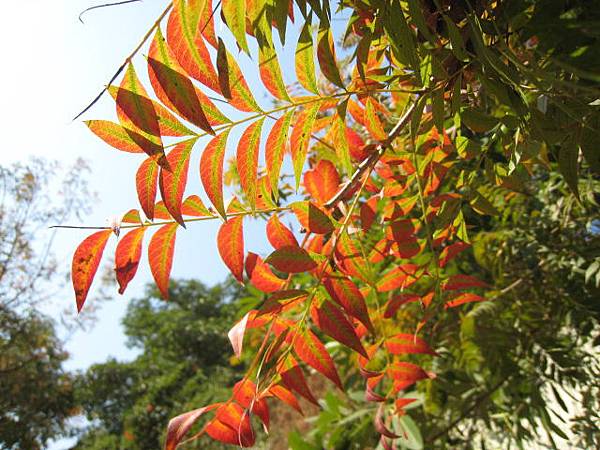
<point x="127" y="60"/>
<point x="105" y="5"/>
<point x="372" y="159"/>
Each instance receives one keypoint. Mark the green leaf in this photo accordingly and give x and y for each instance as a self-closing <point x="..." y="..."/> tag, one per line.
<point x="567" y="165"/>
<point x="305" y="64"/>
<point x="234" y="12"/>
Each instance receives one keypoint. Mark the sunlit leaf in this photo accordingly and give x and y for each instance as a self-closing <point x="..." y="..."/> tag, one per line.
<point x="160" y="256"/>
<point x="86" y="260"/>
<point x="127" y="256"/>
<point x="247" y="160"/>
<point x="230" y="242"/>
<point x="211" y="170"/>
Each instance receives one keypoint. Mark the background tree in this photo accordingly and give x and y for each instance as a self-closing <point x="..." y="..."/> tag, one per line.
<point x="458" y="106"/>
<point x="181" y="363"/>
<point x="36" y="394"/>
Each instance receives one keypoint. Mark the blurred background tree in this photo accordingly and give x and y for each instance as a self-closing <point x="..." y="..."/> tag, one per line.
<point x="36" y="394"/>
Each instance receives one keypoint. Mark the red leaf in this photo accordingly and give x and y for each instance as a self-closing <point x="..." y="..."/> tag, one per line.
<point x="188" y="46"/>
<point x="459" y="281"/>
<point x="291" y="259"/>
<point x="275" y="149"/>
<point x="180" y="425"/>
<point x="85" y="264"/>
<point x="160" y="256"/>
<point x="172" y="182"/>
<point x="406" y="374"/>
<point x="127" y="256"/>
<point x="278" y="234"/>
<point x="236" y="335"/>
<point x="351" y="260"/>
<point x="231" y="426"/>
<point x="403" y="343"/>
<point x="247" y="160"/>
<point x="206" y="24"/>
<point x="346" y="294"/>
<point x="380" y="423"/>
<point x="332" y="321"/>
<point x="451" y="251"/>
<point x="285" y="396"/>
<point x="312" y="218"/>
<point x="397" y="301"/>
<point x="244" y="392"/>
<point x="293" y="377"/>
<point x="193" y="206"/>
<point x="322" y="182"/>
<point x="260" y="274"/>
<point x="312" y="351"/>
<point x="282" y="301"/>
<point x="230" y="242"/>
<point x="211" y="170"/>
<point x="172" y="87"/>
<point x="146" y="181"/>
<point x="463" y="298"/>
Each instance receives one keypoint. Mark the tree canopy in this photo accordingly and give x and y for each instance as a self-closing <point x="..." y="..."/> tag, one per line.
<point x="428" y="227"/>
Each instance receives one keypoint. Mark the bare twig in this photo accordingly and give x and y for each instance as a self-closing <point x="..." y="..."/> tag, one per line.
<point x="105" y="5"/>
<point x="127" y="60"/>
<point x="372" y="159"/>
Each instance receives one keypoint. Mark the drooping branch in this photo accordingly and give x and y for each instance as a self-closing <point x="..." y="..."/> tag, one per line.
<point x="105" y="5"/>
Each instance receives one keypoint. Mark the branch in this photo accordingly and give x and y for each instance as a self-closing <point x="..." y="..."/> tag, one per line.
<point x="372" y="159"/>
<point x="468" y="411"/>
<point x="127" y="60"/>
<point x="104" y="6"/>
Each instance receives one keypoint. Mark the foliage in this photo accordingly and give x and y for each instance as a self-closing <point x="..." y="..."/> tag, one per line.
<point x="181" y="364"/>
<point x="36" y="394"/>
<point x="442" y="115"/>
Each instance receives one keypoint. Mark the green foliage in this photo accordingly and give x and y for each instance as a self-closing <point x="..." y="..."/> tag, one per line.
<point x="182" y="363"/>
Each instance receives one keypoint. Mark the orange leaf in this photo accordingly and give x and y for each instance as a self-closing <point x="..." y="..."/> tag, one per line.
<point x="312" y="351"/>
<point x="300" y="138"/>
<point x="275" y="149"/>
<point x="193" y="206"/>
<point x="291" y="259"/>
<point x="278" y="234"/>
<point x="230" y="242"/>
<point x="180" y="425"/>
<point x="85" y="264"/>
<point x="206" y="24"/>
<point x="244" y="392"/>
<point x="406" y="374"/>
<point x="174" y="88"/>
<point x="285" y="396"/>
<point x="247" y="160"/>
<point x="346" y="294"/>
<point x="232" y="82"/>
<point x="332" y="321"/>
<point x="312" y="218"/>
<point x="293" y="377"/>
<point x="122" y="138"/>
<point x="460" y="281"/>
<point x="188" y="46"/>
<point x="350" y="259"/>
<point x="397" y="301"/>
<point x="463" y="298"/>
<point x="451" y="251"/>
<point x="372" y="122"/>
<point x="322" y="182"/>
<point x="146" y="182"/>
<point x="282" y="301"/>
<point x="127" y="256"/>
<point x="160" y="256"/>
<point x="403" y="343"/>
<point x="399" y="278"/>
<point x="260" y="274"/>
<point x="172" y="182"/>
<point x="211" y="170"/>
<point x="231" y="425"/>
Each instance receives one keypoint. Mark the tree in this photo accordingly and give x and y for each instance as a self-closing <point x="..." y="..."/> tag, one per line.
<point x="36" y="394"/>
<point x="181" y="364"/>
<point x="444" y="113"/>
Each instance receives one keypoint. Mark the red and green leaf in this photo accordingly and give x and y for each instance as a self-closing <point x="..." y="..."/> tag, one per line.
<point x="230" y="242"/>
<point x="275" y="149"/>
<point x="332" y="321"/>
<point x="270" y="72"/>
<point x="234" y="13"/>
<point x="300" y="138"/>
<point x="346" y="294"/>
<point x="312" y="218"/>
<point x="305" y="62"/>
<point x="211" y="170"/>
<point x="160" y="256"/>
<point x="261" y="276"/>
<point x="247" y="160"/>
<point x="86" y="260"/>
<point x="293" y="378"/>
<point x="146" y="183"/>
<point x="326" y="56"/>
<point x="312" y="351"/>
<point x="122" y="138"/>
<point x="322" y="182"/>
<point x="193" y="206"/>
<point x="403" y="343"/>
<point x="127" y="256"/>
<point x="291" y="259"/>
<point x="278" y="234"/>
<point x="172" y="182"/>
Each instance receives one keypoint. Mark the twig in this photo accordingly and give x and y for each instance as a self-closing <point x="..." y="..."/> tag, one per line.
<point x="127" y="60"/>
<point x="371" y="160"/>
<point x="104" y="6"/>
